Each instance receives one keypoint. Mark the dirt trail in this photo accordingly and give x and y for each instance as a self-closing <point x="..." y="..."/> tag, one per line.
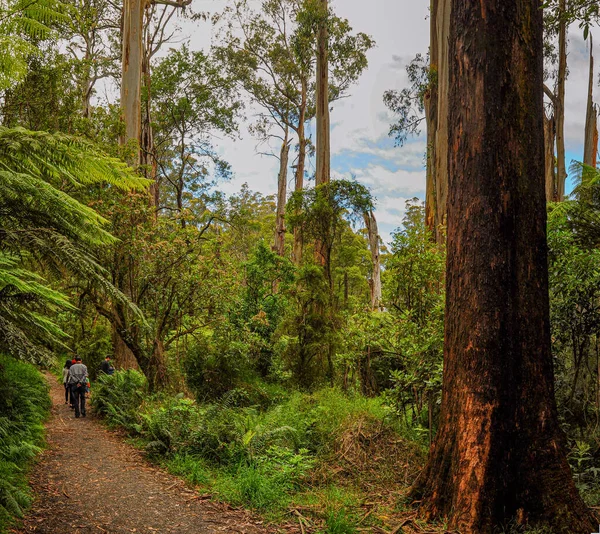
<point x="90" y="482"/>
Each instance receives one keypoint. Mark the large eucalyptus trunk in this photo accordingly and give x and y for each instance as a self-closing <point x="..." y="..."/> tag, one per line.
<point x="131" y="75"/>
<point x="590" y="145"/>
<point x="559" y="109"/>
<point x="279" y="245"/>
<point x="375" y="282"/>
<point x="323" y="171"/>
<point x="499" y="456"/>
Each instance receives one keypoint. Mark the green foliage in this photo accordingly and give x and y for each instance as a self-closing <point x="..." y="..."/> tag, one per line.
<point x="408" y="104"/>
<point x="42" y="223"/>
<point x="118" y="397"/>
<point x="414" y="292"/>
<point x="23" y="24"/>
<point x="24" y="404"/>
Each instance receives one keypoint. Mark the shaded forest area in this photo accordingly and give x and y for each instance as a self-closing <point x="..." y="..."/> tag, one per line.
<point x="271" y="350"/>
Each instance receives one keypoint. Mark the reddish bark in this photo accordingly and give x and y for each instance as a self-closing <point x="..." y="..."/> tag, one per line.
<point x="499" y="455"/>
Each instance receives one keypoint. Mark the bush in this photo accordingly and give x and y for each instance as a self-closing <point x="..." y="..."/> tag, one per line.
<point x="119" y="396"/>
<point x="24" y="404"/>
<point x="214" y="364"/>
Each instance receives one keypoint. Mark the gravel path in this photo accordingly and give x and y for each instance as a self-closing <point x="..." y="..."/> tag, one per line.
<point x="89" y="481"/>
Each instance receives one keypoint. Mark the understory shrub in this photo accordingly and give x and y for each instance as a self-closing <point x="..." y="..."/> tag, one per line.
<point x="24" y="404"/>
<point x="257" y="456"/>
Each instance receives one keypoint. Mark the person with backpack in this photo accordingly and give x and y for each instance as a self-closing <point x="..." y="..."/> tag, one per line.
<point x="78" y="375"/>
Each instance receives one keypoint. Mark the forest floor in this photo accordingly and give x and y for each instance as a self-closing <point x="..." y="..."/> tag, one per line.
<point x="89" y="481"/>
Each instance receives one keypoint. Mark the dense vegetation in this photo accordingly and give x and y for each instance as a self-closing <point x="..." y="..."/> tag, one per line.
<point x="271" y="349"/>
<point x="24" y="405"/>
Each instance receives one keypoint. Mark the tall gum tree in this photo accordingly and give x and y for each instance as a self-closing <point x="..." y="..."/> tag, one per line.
<point x="272" y="53"/>
<point x="499" y="455"/>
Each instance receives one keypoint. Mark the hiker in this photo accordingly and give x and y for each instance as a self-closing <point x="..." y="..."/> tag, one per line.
<point x="107" y="367"/>
<point x="65" y="380"/>
<point x="78" y="374"/>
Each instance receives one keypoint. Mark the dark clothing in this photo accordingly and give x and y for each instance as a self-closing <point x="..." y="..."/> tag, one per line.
<point x="78" y="396"/>
<point x="68" y="395"/>
<point x="107" y="368"/>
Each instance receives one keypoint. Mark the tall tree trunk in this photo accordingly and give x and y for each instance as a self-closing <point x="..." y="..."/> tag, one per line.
<point x="373" y="233"/>
<point x="131" y="76"/>
<point x="590" y="145"/>
<point x="549" y="163"/>
<point x="323" y="172"/>
<point x="299" y="178"/>
<point x="279" y="245"/>
<point x="147" y="149"/>
<point x="559" y="110"/>
<point x="499" y="454"/>
<point x="440" y="165"/>
<point x="431" y="118"/>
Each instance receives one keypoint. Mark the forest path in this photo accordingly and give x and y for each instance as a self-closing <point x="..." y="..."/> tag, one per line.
<point x="89" y="481"/>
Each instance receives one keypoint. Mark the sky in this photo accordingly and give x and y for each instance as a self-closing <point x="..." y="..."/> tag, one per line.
<point x="360" y="146"/>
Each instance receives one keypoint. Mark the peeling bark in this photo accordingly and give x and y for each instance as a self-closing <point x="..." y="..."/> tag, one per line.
<point x="549" y="160"/>
<point x="375" y="282"/>
<point x="499" y="455"/>
<point x="559" y="106"/>
<point x="440" y="164"/>
<point x="131" y="76"/>
<point x="590" y="145"/>
<point x="279" y="245"/>
<point x="299" y="178"/>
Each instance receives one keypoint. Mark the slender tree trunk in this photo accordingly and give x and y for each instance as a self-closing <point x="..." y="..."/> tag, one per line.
<point x="373" y="233"/>
<point x="590" y="145"/>
<point x="430" y="104"/>
<point x="323" y="173"/>
<point x="499" y="454"/>
<point x="147" y="150"/>
<point x="559" y="110"/>
<point x="299" y="178"/>
<point x="549" y="163"/>
<point x="440" y="164"/>
<point x="279" y="245"/>
<point x="131" y="78"/>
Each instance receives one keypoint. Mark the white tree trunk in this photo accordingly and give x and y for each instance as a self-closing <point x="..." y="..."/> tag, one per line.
<point x="279" y="245"/>
<point x="131" y="79"/>
<point x="375" y="282"/>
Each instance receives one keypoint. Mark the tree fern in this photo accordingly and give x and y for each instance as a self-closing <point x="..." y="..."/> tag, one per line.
<point x="42" y="225"/>
<point x="22" y="22"/>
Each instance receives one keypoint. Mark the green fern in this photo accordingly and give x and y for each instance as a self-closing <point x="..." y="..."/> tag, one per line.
<point x="41" y="224"/>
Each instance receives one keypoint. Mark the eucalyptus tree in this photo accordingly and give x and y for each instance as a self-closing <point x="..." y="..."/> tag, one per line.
<point x="426" y="100"/>
<point x="499" y="456"/>
<point x="93" y="43"/>
<point x="272" y="53"/>
<point x="193" y="102"/>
